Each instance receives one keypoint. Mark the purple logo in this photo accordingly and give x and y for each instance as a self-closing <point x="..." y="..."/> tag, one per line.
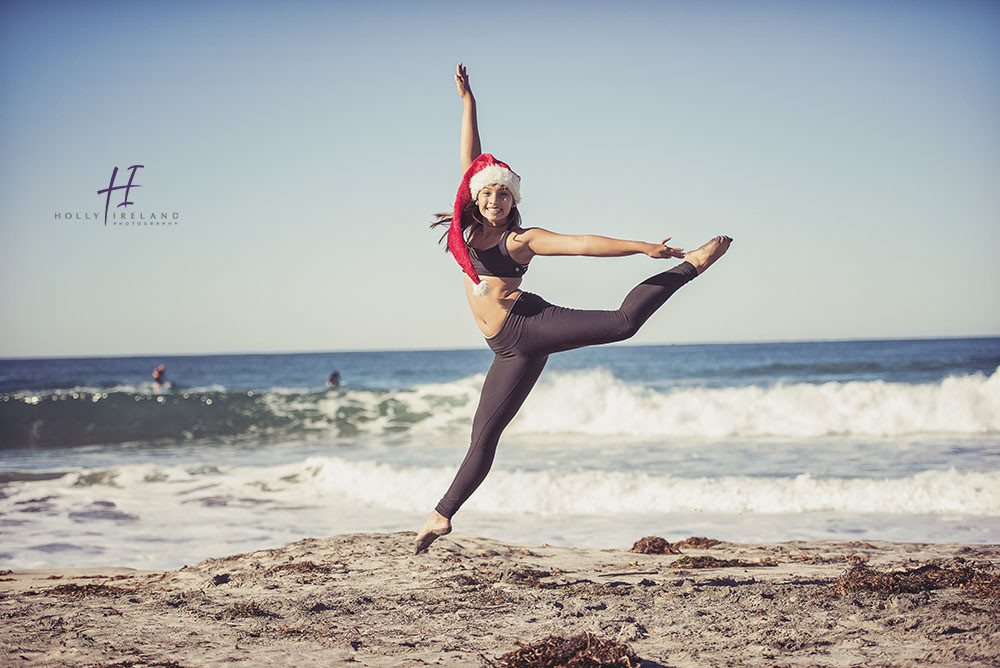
<point x="143" y="215"/>
<point x="111" y="187"/>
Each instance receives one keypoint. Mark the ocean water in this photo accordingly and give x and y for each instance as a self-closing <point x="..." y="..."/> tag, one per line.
<point x="894" y="440"/>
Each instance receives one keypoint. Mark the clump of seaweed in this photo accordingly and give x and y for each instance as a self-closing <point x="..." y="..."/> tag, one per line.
<point x="657" y="545"/>
<point x="688" y="561"/>
<point x="83" y="591"/>
<point x="977" y="579"/>
<point x="581" y="651"/>
<point x="654" y="545"/>
<point x="698" y="543"/>
<point x="303" y="567"/>
<point x="805" y="558"/>
<point x="245" y="609"/>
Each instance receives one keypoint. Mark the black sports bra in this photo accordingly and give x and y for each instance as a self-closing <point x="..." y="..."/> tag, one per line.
<point x="496" y="260"/>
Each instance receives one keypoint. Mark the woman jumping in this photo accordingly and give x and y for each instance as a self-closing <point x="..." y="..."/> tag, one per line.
<point x="486" y="238"/>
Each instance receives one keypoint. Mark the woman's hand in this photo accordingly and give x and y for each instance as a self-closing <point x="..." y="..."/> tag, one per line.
<point x="662" y="250"/>
<point x="469" y="146"/>
<point x="462" y="82"/>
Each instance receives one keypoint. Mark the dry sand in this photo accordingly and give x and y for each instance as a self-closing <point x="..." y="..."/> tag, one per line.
<point x="364" y="599"/>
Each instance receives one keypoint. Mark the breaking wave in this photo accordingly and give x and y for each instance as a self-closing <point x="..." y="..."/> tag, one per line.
<point x="319" y="481"/>
<point x="591" y="402"/>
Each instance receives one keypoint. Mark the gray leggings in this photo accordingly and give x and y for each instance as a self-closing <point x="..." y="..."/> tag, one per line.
<point x="533" y="330"/>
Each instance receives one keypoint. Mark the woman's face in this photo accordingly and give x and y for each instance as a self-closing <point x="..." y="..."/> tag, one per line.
<point x="495" y="203"/>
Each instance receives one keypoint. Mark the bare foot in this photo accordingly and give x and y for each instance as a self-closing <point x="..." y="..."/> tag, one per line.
<point x="437" y="525"/>
<point x="702" y="258"/>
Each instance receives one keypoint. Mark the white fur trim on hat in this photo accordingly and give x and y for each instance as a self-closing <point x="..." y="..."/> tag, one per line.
<point x="496" y="175"/>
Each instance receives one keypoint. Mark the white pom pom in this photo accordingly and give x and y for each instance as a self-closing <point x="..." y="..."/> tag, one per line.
<point x="482" y="289"/>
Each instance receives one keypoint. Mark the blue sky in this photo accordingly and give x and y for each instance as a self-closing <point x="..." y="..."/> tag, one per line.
<point x="850" y="148"/>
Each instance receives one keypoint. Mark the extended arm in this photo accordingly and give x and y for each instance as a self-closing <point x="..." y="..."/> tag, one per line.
<point x="537" y="241"/>
<point x="469" y="147"/>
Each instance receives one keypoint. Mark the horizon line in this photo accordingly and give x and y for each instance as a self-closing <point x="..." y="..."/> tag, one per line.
<point x="414" y="350"/>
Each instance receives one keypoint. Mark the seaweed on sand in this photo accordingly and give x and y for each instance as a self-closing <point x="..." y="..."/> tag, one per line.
<point x="688" y="561"/>
<point x="654" y="545"/>
<point x="698" y="543"/>
<point x="581" y="651"/>
<point x="306" y="567"/>
<point x="657" y="545"/>
<point x="245" y="609"/>
<point x="82" y="591"/>
<point x="977" y="579"/>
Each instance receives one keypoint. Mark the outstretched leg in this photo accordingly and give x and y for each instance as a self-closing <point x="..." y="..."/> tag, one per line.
<point x="507" y="385"/>
<point x="559" y="328"/>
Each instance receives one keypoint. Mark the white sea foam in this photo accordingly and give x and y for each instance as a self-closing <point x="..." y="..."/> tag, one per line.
<point x="155" y="516"/>
<point x="319" y="480"/>
<point x="622" y="492"/>
<point x="595" y="403"/>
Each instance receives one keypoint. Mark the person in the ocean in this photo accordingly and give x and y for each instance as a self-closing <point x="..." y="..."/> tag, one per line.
<point x="159" y="377"/>
<point x="485" y="236"/>
<point x="334" y="379"/>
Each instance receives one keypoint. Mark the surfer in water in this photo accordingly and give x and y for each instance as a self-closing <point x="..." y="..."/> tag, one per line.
<point x="159" y="378"/>
<point x="487" y="239"/>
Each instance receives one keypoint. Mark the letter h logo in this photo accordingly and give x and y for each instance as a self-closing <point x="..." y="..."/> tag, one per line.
<point x="112" y="187"/>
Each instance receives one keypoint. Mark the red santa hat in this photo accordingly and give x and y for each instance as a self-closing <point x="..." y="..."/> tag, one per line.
<point x="484" y="171"/>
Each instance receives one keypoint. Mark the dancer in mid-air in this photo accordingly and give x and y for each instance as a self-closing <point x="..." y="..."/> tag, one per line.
<point x="486" y="238"/>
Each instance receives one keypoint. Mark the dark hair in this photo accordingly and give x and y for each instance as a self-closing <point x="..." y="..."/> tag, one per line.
<point x="470" y="216"/>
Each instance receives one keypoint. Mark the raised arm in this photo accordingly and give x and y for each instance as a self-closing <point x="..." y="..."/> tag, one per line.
<point x="469" y="146"/>
<point x="538" y="241"/>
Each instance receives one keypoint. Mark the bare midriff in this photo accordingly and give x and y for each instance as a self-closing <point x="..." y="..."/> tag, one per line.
<point x="491" y="311"/>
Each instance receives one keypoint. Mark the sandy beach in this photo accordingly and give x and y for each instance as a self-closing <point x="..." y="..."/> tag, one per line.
<point x="365" y="599"/>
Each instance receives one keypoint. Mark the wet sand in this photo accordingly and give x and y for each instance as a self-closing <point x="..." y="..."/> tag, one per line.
<point x="366" y="600"/>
